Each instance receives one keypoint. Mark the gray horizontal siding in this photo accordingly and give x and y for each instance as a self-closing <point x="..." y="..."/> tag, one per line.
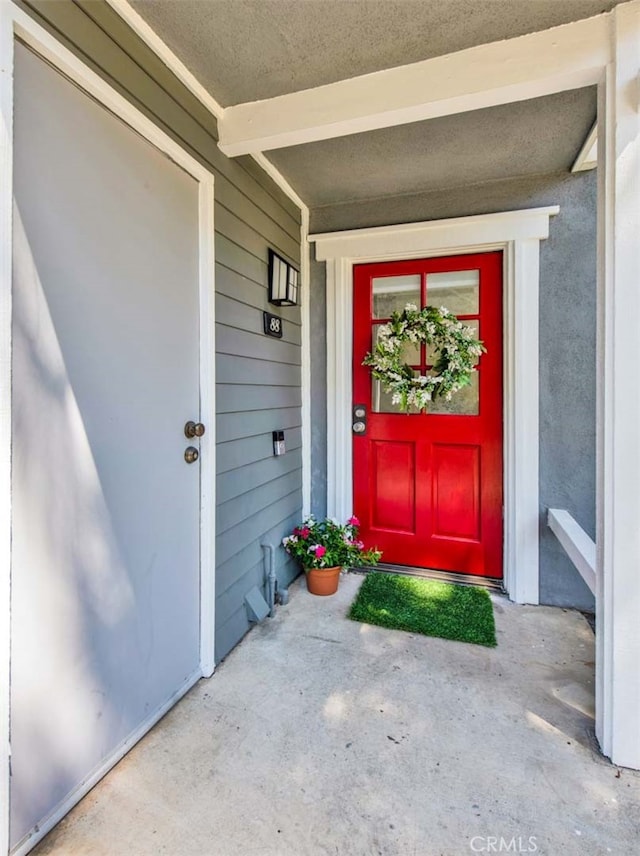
<point x="248" y="477"/>
<point x="233" y="257"/>
<point x="245" y="370"/>
<point x="232" y="587"/>
<point x="249" y="556"/>
<point x="235" y="511"/>
<point x="236" y="194"/>
<point x="232" y="398"/>
<point x="240" y="343"/>
<point x="235" y="426"/>
<point x="232" y="599"/>
<point x="282" y="510"/>
<point x="258" y="391"/>
<point x="249" y="288"/>
<point x="242" y="316"/>
<point x="259" y="496"/>
<point x="233" y="226"/>
<point x="235" y="454"/>
<point x="232" y="603"/>
<point x="256" y="171"/>
<point x="233" y="284"/>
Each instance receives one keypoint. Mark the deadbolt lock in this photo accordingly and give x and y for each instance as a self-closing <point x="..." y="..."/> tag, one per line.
<point x="191" y="454"/>
<point x="194" y="429"/>
<point x="359" y="419"/>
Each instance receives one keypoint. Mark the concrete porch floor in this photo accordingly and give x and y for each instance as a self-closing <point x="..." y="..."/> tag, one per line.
<point x="318" y="735"/>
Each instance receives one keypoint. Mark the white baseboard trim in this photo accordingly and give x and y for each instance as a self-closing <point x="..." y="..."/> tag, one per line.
<point x="64" y="807"/>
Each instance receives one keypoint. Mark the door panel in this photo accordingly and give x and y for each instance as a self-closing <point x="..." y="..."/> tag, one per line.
<point x="428" y="485"/>
<point x="105" y="569"/>
<point x="456" y="491"/>
<point x="393" y="499"/>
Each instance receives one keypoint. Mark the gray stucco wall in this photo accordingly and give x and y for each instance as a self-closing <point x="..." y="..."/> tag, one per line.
<point x="567" y="343"/>
<point x="259" y="497"/>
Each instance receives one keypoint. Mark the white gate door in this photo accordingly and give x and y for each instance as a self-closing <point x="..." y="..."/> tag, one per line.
<point x="105" y="572"/>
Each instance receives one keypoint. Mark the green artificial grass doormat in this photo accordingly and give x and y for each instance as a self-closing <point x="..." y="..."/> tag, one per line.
<point x="424" y="606"/>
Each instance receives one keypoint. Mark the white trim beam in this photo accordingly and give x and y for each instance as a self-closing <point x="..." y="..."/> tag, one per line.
<point x="576" y="543"/>
<point x="339" y="387"/>
<point x="389" y="242"/>
<point x="529" y="66"/>
<point x="618" y="425"/>
<point x="588" y="154"/>
<point x="207" y="317"/>
<point x="6" y="240"/>
<point x="305" y="360"/>
<point x="521" y="419"/>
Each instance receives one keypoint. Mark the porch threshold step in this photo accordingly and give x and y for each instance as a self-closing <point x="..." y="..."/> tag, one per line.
<point x="489" y="583"/>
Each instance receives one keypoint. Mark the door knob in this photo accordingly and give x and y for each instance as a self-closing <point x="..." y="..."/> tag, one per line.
<point x="191" y="454"/>
<point x="194" y="429"/>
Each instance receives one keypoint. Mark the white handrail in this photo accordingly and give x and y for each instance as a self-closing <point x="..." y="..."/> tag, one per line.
<point x="577" y="544"/>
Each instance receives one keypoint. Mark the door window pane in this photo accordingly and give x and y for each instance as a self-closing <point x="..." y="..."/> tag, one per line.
<point x="465" y="402"/>
<point x="392" y="293"/>
<point x="381" y="400"/>
<point x="475" y="326"/>
<point x="410" y="350"/>
<point x="458" y="291"/>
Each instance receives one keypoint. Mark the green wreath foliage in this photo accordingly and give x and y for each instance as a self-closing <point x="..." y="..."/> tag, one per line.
<point x="456" y="348"/>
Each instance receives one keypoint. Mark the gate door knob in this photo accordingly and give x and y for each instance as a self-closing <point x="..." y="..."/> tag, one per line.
<point x="194" y="429"/>
<point x="191" y="454"/>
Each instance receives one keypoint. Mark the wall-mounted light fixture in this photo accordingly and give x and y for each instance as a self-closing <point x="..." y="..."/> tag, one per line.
<point x="283" y="281"/>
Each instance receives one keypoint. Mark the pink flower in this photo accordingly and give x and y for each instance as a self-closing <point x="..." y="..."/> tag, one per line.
<point x="304" y="532"/>
<point x="353" y="521"/>
<point x="359" y="545"/>
<point x="319" y="550"/>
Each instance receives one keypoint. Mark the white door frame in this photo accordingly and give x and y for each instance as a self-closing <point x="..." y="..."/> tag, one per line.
<point x="518" y="235"/>
<point x="14" y="23"/>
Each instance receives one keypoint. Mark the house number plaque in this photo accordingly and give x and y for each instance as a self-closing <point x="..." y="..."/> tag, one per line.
<point x="272" y="325"/>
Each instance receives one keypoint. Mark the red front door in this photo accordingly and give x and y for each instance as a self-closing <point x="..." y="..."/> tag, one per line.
<point x="428" y="485"/>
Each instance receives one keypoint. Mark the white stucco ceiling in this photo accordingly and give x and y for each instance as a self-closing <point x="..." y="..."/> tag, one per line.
<point x="243" y="50"/>
<point x="527" y="138"/>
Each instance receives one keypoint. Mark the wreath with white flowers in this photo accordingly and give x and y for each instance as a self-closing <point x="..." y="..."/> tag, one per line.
<point x="456" y="349"/>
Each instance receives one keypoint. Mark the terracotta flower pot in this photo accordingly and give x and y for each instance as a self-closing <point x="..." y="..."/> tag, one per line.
<point x="323" y="581"/>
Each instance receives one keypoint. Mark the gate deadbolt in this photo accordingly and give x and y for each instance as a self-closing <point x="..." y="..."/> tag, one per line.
<point x="191" y="454"/>
<point x="194" y="429"/>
